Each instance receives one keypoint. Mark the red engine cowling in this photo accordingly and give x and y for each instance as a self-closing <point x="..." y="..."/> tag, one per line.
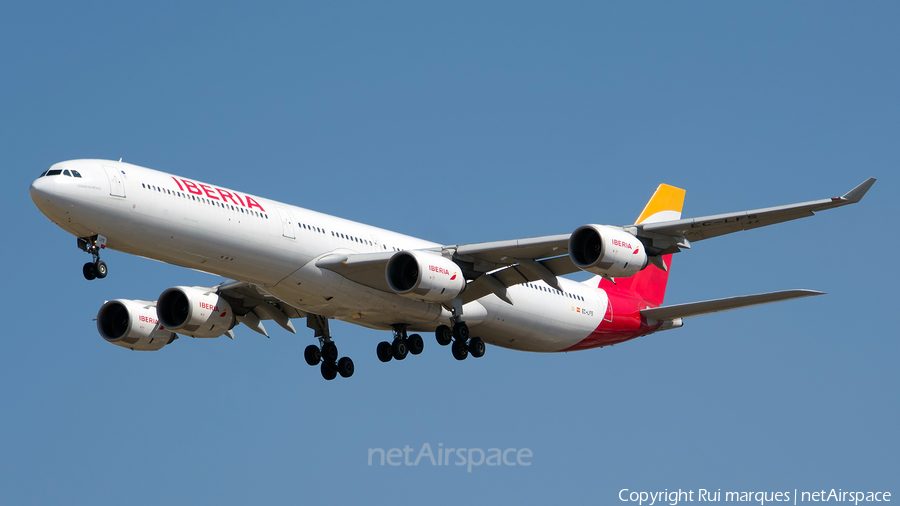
<point x="195" y="311"/>
<point x="607" y="251"/>
<point x="424" y="276"/>
<point x="132" y="324"/>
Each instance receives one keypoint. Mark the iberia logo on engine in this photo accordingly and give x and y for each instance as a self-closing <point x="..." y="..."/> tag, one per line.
<point x="208" y="306"/>
<point x="439" y="270"/>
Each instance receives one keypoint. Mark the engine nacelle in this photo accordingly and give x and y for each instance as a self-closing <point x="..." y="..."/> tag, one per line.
<point x="424" y="276"/>
<point x="132" y="324"/>
<point x="607" y="251"/>
<point x="195" y="311"/>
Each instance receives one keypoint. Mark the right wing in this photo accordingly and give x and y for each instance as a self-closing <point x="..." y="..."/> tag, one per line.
<point x="492" y="267"/>
<point x="706" y="227"/>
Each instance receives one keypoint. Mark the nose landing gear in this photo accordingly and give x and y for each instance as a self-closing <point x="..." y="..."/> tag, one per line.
<point x="96" y="269"/>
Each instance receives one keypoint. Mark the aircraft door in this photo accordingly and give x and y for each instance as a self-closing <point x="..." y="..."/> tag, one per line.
<point x="116" y="181"/>
<point x="287" y="225"/>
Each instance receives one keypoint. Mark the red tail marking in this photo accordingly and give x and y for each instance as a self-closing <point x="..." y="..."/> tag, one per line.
<point x="649" y="284"/>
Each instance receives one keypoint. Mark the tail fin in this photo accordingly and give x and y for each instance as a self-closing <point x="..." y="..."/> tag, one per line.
<point x="650" y="283"/>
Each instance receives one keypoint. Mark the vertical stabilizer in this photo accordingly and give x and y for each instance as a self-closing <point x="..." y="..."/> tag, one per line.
<point x="650" y="283"/>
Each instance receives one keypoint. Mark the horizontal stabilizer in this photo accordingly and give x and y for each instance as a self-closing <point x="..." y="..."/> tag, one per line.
<point x="668" y="313"/>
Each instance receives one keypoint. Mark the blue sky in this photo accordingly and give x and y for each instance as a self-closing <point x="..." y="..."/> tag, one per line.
<point x="462" y="122"/>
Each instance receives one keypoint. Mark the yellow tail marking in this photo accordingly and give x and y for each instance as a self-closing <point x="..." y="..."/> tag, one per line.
<point x="666" y="198"/>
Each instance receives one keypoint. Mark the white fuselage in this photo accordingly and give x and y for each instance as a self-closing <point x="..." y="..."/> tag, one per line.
<point x="248" y="238"/>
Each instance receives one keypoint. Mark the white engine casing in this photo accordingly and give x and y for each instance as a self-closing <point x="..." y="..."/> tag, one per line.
<point x="424" y="276"/>
<point x="133" y="324"/>
<point x="195" y="311"/>
<point x="608" y="251"/>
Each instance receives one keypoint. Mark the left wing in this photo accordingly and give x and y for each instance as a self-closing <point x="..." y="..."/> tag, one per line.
<point x="251" y="304"/>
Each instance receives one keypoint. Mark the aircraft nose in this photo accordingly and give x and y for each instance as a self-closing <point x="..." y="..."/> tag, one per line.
<point x="44" y="195"/>
<point x="42" y="189"/>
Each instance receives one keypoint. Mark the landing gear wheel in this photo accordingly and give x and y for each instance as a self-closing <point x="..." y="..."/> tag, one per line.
<point x="329" y="352"/>
<point x="461" y="331"/>
<point x="444" y="335"/>
<point x="459" y="350"/>
<point x="399" y="349"/>
<point x="415" y="344"/>
<point x="384" y="351"/>
<point x="345" y="367"/>
<point x="476" y="347"/>
<point x="312" y="354"/>
<point x="328" y="371"/>
<point x="88" y="271"/>
<point x="100" y="269"/>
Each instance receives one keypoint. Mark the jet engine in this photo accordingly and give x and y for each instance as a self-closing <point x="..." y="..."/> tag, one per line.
<point x="608" y="251"/>
<point x="132" y="324"/>
<point x="424" y="276"/>
<point x="195" y="311"/>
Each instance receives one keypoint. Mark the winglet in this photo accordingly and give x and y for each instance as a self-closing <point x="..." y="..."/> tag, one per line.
<point x="665" y="205"/>
<point x="855" y="195"/>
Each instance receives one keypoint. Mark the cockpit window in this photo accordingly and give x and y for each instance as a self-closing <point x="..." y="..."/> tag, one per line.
<point x="75" y="173"/>
<point x="67" y="173"/>
<point x="43" y="174"/>
<point x="54" y="172"/>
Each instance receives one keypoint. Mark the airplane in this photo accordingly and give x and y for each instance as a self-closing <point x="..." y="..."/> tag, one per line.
<point x="287" y="262"/>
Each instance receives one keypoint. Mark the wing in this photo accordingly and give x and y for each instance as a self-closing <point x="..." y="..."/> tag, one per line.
<point x="706" y="227"/>
<point x="669" y="313"/>
<point x="251" y="304"/>
<point x="492" y="267"/>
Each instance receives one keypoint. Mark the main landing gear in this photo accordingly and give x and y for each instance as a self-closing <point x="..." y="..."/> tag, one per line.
<point x="401" y="346"/>
<point x="96" y="269"/>
<point x="326" y="353"/>
<point x="459" y="336"/>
